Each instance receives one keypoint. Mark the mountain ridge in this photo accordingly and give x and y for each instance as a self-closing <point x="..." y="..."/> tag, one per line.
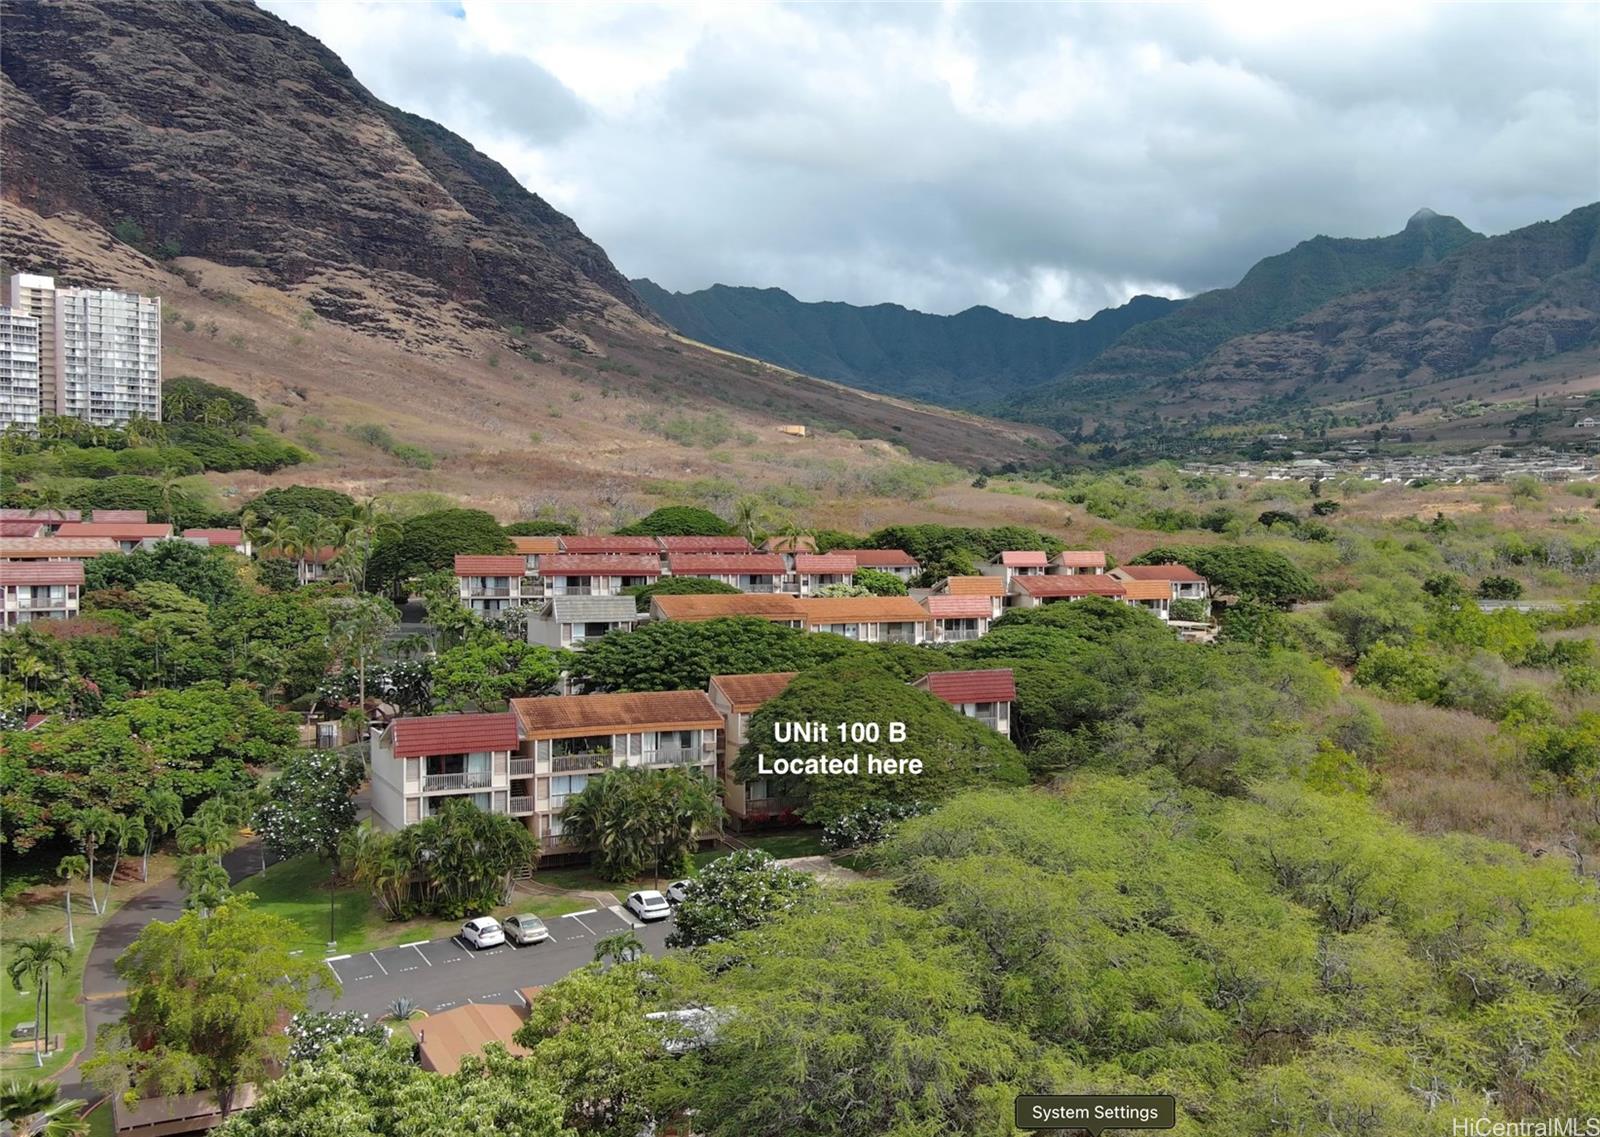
<point x="968" y="359"/>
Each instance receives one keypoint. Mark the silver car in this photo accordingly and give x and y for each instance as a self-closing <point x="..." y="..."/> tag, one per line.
<point x="525" y="930"/>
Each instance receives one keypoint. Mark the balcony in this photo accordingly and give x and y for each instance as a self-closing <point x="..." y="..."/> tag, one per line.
<point x="899" y="636"/>
<point x="593" y="760"/>
<point x="521" y="806"/>
<point x="523" y="767"/>
<point x="576" y="590"/>
<point x="433" y="783"/>
<point x="677" y="756"/>
<point x="489" y="591"/>
<point x="41" y="603"/>
<point x="761" y="588"/>
<point x="556" y="845"/>
<point x="957" y="635"/>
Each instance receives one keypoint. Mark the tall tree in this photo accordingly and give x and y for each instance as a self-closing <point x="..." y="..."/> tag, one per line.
<point x="206" y="1002"/>
<point x="32" y="960"/>
<point x="310" y="805"/>
<point x="358" y="627"/>
<point x="70" y="869"/>
<point x="93" y="827"/>
<point x="161" y="813"/>
<point x="634" y="818"/>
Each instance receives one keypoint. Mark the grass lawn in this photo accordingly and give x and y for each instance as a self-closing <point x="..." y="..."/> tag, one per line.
<point x="101" y="1123"/>
<point x="297" y="890"/>
<point x="789" y="843"/>
<point x="39" y="911"/>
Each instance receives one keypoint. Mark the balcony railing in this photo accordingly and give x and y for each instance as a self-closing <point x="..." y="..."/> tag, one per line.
<point x="521" y="805"/>
<point x="956" y="635"/>
<point x="754" y="587"/>
<point x="589" y="761"/>
<point x="677" y="756"/>
<point x="523" y="767"/>
<point x="575" y="590"/>
<point x="476" y="780"/>
<point x="489" y="591"/>
<point x="555" y="845"/>
<point x="38" y="603"/>
<point x="899" y="637"/>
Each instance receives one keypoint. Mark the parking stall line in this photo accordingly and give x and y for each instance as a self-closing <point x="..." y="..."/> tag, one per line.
<point x="578" y="917"/>
<point x="420" y="952"/>
<point x="457" y="941"/>
<point x="379" y="962"/>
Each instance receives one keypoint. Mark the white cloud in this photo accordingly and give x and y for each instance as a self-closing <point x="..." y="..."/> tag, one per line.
<point x="1044" y="159"/>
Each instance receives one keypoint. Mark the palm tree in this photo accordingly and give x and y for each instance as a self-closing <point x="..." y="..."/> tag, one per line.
<point x="178" y="402"/>
<point x="167" y="484"/>
<point x="71" y="869"/>
<point x="280" y="537"/>
<point x="162" y="814"/>
<point x="92" y="827"/>
<point x="206" y="832"/>
<point x="358" y="628"/>
<point x="33" y="1110"/>
<point x="204" y="881"/>
<point x="376" y="860"/>
<point x="749" y="515"/>
<point x="32" y="960"/>
<point x="623" y="947"/>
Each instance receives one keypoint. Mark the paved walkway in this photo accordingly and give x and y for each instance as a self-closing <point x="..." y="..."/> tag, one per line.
<point x="102" y="988"/>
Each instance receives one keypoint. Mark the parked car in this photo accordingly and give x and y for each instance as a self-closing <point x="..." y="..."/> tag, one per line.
<point x="649" y="905"/>
<point x="525" y="930"/>
<point x="676" y="891"/>
<point x="485" y="931"/>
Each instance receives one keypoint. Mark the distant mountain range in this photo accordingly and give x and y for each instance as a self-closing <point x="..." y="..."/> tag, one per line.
<point x="973" y="358"/>
<point x="1433" y="301"/>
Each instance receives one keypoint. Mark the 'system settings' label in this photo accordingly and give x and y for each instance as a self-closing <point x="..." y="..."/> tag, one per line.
<point x="845" y="733"/>
<point x="1096" y="1113"/>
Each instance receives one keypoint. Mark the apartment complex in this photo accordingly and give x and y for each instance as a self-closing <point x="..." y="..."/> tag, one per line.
<point x="19" y="370"/>
<point x="44" y="590"/>
<point x="98" y="352"/>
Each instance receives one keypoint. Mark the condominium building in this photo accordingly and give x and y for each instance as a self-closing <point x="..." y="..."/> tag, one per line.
<point x="19" y="370"/>
<point x="48" y="590"/>
<point x="419" y="764"/>
<point x="99" y="350"/>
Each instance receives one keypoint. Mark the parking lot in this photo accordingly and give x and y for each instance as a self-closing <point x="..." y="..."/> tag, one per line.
<point x="440" y="974"/>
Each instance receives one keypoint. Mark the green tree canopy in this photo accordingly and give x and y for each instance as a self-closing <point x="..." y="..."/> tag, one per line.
<point x="678" y="521"/>
<point x="429" y="542"/>
<point x="1259" y="574"/>
<point x="636" y="819"/>
<point x="679" y="586"/>
<point x="487" y="669"/>
<point x="678" y="655"/>
<point x="207" y="997"/>
<point x="735" y="893"/>
<point x="292" y="503"/>
<point x="310" y="804"/>
<point x="206" y="574"/>
<point x="955" y="751"/>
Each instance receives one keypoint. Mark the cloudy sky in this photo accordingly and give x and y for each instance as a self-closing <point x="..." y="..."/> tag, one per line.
<point x="1043" y="159"/>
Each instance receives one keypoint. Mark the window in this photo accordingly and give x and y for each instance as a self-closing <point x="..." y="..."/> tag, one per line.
<point x="564" y="786"/>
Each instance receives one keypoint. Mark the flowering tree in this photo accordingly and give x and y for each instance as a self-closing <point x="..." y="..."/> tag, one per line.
<point x="312" y="1032"/>
<point x="310" y="804"/>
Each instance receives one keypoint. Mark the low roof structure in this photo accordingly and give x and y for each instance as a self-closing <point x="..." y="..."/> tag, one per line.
<point x="575" y="716"/>
<point x="1068" y="587"/>
<point x="224" y="538"/>
<point x="468" y="564"/>
<point x="706" y="545"/>
<point x="535" y="546"/>
<point x="1081" y="558"/>
<point x="600" y="564"/>
<point x="726" y="564"/>
<point x="610" y="544"/>
<point x="445" y="1038"/>
<point x="40" y="572"/>
<point x="944" y="607"/>
<point x="1147" y="589"/>
<point x="116" y="530"/>
<point x="824" y="563"/>
<point x="590" y="609"/>
<point x="1021" y="558"/>
<point x="423" y="735"/>
<point x="862" y="609"/>
<point x="880" y="558"/>
<point x="1181" y="573"/>
<point x="761" y="605"/>
<point x="745" y="693"/>
<point x="972" y="586"/>
<point x="995" y="685"/>
<point x="57" y="548"/>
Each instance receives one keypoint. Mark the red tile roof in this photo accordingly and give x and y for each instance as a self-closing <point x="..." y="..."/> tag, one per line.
<point x="1091" y="585"/>
<point x="42" y="572"/>
<point x="600" y="565"/>
<point x="228" y="537"/>
<point x="453" y="734"/>
<point x="683" y="564"/>
<point x="824" y="562"/>
<point x="706" y="545"/>
<point x="1081" y="558"/>
<point x="535" y="546"/>
<point x="21" y="528"/>
<point x="603" y="544"/>
<point x="1162" y="572"/>
<point x="957" y="687"/>
<point x="116" y="530"/>
<point x="1147" y="589"/>
<point x="747" y="692"/>
<point x="47" y="548"/>
<point x="867" y="609"/>
<point x="40" y="515"/>
<point x="766" y="606"/>
<point x="974" y="586"/>
<point x="880" y="558"/>
<point x="1031" y="558"/>
<point x="135" y="516"/>
<point x="573" y="716"/>
<point x="469" y="564"/>
<point x="959" y="607"/>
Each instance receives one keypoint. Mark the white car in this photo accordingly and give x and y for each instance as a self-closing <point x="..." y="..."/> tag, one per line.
<point x="649" y="905"/>
<point x="525" y="930"/>
<point x="677" y="890"/>
<point x="485" y="931"/>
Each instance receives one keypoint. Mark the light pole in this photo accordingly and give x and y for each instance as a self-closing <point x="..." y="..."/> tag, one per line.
<point x="333" y="942"/>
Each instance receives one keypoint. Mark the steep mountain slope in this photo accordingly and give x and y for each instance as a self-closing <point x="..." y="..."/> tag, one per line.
<point x="970" y="359"/>
<point x="348" y="263"/>
<point x="1529" y="294"/>
<point x="218" y="130"/>
<point x="1275" y="291"/>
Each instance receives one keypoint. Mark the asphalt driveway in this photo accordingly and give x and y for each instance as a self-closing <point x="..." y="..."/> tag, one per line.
<point x="440" y="974"/>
